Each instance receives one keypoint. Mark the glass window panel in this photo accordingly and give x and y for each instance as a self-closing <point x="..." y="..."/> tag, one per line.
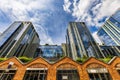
<point x="51" y="52"/>
<point x="105" y="37"/>
<point x="6" y="34"/>
<point x="67" y="75"/>
<point x="99" y="76"/>
<point x="115" y="22"/>
<point x="35" y="75"/>
<point x="116" y="16"/>
<point x="9" y="75"/>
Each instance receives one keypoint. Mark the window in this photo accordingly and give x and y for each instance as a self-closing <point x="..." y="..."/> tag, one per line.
<point x="98" y="72"/>
<point x="67" y="75"/>
<point x="35" y="75"/>
<point x="7" y="75"/>
<point x="99" y="76"/>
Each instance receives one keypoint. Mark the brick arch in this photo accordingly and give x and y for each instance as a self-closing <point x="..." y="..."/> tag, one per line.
<point x="66" y="66"/>
<point x="37" y="65"/>
<point x="95" y="65"/>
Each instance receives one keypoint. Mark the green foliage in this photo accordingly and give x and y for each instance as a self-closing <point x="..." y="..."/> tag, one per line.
<point x="81" y="60"/>
<point x="25" y="59"/>
<point x="84" y="56"/>
<point x="110" y="56"/>
<point x="62" y="56"/>
<point x="106" y="60"/>
<point x="2" y="59"/>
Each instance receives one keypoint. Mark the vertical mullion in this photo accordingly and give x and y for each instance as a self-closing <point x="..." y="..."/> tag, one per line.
<point x="93" y="76"/>
<point x="38" y="75"/>
<point x="100" y="76"/>
<point x="105" y="76"/>
<point x="7" y="76"/>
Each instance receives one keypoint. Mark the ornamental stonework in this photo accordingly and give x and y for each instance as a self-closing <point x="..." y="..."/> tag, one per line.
<point x="4" y="66"/>
<point x="95" y="65"/>
<point x="66" y="66"/>
<point x="37" y="65"/>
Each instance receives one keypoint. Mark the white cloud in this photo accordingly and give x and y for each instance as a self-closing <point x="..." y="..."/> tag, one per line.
<point x="29" y="10"/>
<point x="66" y="5"/>
<point x="92" y="11"/>
<point x="44" y="37"/>
<point x="108" y="7"/>
<point x="99" y="8"/>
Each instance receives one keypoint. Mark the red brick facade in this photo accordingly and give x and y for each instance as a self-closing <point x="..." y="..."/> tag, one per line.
<point x="64" y="63"/>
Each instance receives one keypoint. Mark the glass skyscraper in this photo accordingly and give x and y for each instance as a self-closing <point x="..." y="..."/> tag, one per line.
<point x="109" y="33"/>
<point x="80" y="42"/>
<point x="18" y="40"/>
<point x="50" y="52"/>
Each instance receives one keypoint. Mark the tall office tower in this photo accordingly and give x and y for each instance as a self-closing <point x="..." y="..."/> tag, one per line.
<point x="49" y="52"/>
<point x="109" y="33"/>
<point x="20" y="39"/>
<point x="80" y="42"/>
<point x="110" y="51"/>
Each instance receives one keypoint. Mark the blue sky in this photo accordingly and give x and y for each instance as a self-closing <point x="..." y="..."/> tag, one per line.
<point x="51" y="17"/>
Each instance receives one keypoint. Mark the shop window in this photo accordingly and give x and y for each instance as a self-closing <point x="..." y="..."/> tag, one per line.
<point x="67" y="75"/>
<point x="7" y="74"/>
<point x="36" y="74"/>
<point x="67" y="72"/>
<point x="98" y="72"/>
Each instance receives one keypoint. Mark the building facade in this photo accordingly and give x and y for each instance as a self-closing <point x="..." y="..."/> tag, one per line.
<point x="18" y="40"/>
<point x="109" y="33"/>
<point x="64" y="49"/>
<point x="50" y="52"/>
<point x="110" y="51"/>
<point x="80" y="42"/>
<point x="64" y="69"/>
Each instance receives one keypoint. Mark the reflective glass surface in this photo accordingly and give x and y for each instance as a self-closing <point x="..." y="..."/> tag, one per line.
<point x="51" y="51"/>
<point x="105" y="38"/>
<point x="25" y="41"/>
<point x="86" y="39"/>
<point x="115" y="22"/>
<point x="75" y="38"/>
<point x="116" y="16"/>
<point x="6" y="34"/>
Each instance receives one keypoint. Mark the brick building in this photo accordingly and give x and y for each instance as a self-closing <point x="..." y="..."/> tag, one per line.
<point x="64" y="69"/>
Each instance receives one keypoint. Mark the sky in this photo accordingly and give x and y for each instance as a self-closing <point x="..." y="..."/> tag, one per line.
<point x="51" y="17"/>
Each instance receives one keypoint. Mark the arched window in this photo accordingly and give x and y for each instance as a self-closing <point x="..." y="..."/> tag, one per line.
<point x="98" y="72"/>
<point x="67" y="72"/>
<point x="36" y="72"/>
